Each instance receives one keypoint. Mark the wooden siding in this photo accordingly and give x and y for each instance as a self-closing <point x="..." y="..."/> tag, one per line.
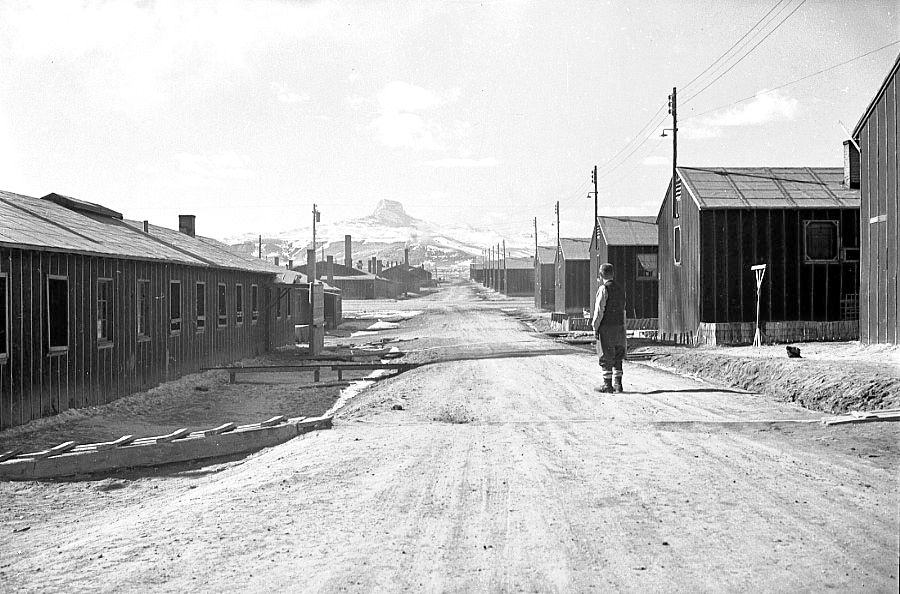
<point x="642" y="295"/>
<point x="545" y="286"/>
<point x="520" y="281"/>
<point x="679" y="284"/>
<point x="793" y="290"/>
<point x="35" y="383"/>
<point x="880" y="220"/>
<point x="573" y="287"/>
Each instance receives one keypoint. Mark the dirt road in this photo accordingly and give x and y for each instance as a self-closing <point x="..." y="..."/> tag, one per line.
<point x="499" y="471"/>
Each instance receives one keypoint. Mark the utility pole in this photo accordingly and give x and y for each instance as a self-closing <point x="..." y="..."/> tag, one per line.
<point x="505" y="272"/>
<point x="260" y="248"/>
<point x="596" y="212"/>
<point x="535" y="240"/>
<point x="312" y="272"/>
<point x="557" y="224"/>
<point x="673" y="109"/>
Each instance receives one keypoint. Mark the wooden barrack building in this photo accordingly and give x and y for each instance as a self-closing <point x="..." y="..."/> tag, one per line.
<point x="877" y="135"/>
<point x="94" y="307"/>
<point x="802" y="222"/>
<point x="545" y="277"/>
<point x="630" y="244"/>
<point x="573" y="282"/>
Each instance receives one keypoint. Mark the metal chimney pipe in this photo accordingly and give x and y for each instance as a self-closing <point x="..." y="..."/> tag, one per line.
<point x="348" y="252"/>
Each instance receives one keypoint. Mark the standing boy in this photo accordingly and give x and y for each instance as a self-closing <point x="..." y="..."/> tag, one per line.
<point x="609" y="328"/>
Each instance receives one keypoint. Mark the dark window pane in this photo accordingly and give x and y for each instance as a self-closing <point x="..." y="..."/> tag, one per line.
<point x="821" y="240"/>
<point x="175" y="306"/>
<point x="143" y="309"/>
<point x="4" y="317"/>
<point x="58" y="312"/>
<point x="222" y="307"/>
<point x="201" y="306"/>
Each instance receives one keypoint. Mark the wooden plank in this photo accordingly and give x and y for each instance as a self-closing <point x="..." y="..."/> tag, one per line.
<point x="276" y="420"/>
<point x="122" y="441"/>
<point x="869" y="419"/>
<point x="11" y="453"/>
<point x="177" y="434"/>
<point x="54" y="451"/>
<point x="223" y="428"/>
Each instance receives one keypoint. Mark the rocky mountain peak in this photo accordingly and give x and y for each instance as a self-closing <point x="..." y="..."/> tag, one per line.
<point x="390" y="212"/>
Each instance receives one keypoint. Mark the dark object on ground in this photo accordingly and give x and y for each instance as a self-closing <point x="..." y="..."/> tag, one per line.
<point x="201" y="388"/>
<point x="793" y="352"/>
<point x="397" y="407"/>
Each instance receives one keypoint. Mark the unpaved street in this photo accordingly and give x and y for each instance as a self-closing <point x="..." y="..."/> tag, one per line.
<point x="499" y="471"/>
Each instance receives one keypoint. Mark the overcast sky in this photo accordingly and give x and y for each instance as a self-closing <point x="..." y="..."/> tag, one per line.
<point x="245" y="113"/>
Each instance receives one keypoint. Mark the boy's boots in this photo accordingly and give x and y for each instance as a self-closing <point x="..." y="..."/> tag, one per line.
<point x="617" y="383"/>
<point x="607" y="387"/>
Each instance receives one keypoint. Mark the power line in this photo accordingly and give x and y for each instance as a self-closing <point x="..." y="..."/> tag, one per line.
<point x="795" y="81"/>
<point x="635" y="137"/>
<point x="653" y="122"/>
<point x="628" y="173"/>
<point x="784" y="20"/>
<point x="716" y="61"/>
<point x="634" y="150"/>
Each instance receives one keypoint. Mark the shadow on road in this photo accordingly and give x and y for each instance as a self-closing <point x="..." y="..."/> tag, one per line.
<point x="502" y="355"/>
<point x="694" y="391"/>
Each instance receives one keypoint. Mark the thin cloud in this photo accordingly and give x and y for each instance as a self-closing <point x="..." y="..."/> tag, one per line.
<point x="354" y="103"/>
<point x="765" y="108"/>
<point x="656" y="160"/>
<point x="202" y="170"/>
<point x="285" y="96"/>
<point x="400" y="126"/>
<point x="485" y="162"/>
<point x="402" y="96"/>
<point x="404" y="130"/>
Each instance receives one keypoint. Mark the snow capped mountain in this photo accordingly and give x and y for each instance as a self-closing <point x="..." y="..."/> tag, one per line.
<point x="385" y="234"/>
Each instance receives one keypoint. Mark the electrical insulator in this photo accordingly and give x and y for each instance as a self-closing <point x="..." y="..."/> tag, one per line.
<point x="670" y="105"/>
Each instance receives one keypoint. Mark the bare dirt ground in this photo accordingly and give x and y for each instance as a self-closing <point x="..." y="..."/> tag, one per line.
<point x="496" y="468"/>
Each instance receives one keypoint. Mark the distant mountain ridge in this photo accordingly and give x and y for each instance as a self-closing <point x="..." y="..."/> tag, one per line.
<point x="386" y="233"/>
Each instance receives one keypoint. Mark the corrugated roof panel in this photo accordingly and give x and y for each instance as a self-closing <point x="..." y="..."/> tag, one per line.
<point x="519" y="263"/>
<point x="23" y="227"/>
<point x="636" y="230"/>
<point x="576" y="248"/>
<point x="765" y="187"/>
<point x="546" y="254"/>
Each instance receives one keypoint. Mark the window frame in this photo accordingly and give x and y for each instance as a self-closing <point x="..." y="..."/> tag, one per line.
<point x="639" y="267"/>
<point x="106" y="340"/>
<point x="277" y="303"/>
<point x="176" y="323"/>
<point x="57" y="349"/>
<point x="5" y="322"/>
<point x="834" y="224"/>
<point x="200" y="318"/>
<point x="254" y="303"/>
<point x="221" y="305"/>
<point x="142" y="330"/>
<point x="676" y="245"/>
<point x="290" y="303"/>
<point x="239" y="304"/>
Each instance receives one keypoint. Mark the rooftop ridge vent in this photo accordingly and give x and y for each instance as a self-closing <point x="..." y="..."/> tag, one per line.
<point x="82" y="206"/>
